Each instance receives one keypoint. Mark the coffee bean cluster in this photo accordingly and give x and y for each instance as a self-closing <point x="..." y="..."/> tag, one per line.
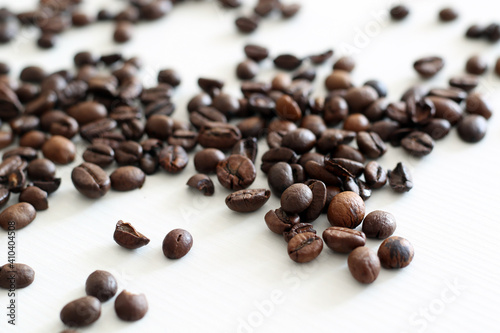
<point x="100" y="287"/>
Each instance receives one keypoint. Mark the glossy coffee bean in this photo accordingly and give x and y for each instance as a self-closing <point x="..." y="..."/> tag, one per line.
<point x="34" y="196"/>
<point x="356" y="123"/>
<point x="370" y="144"/>
<point x="99" y="154"/>
<point x="346" y="209"/>
<point x="343" y="240"/>
<point x="247" y="70"/>
<point x="81" y="312"/>
<point x="472" y="128"/>
<point x="102" y="285"/>
<point x="476" y="65"/>
<point x="236" y="172"/>
<point x="476" y="104"/>
<point x="219" y="135"/>
<point x="375" y="175"/>
<point x="418" y="143"/>
<point x="128" y="237"/>
<point x="131" y="307"/>
<point x="278" y="221"/>
<point x="202" y="183"/>
<point x="300" y="140"/>
<point x="128" y="153"/>
<point x="446" y="109"/>
<point x="256" y="52"/>
<point x="304" y="247"/>
<point x="244" y="201"/>
<point x="400" y="178"/>
<point x="17" y="216"/>
<point x="246" y="147"/>
<point x="287" y="62"/>
<point x="206" y="160"/>
<point x="41" y="169"/>
<point x="296" y="198"/>
<point x="437" y="128"/>
<point x="360" y="98"/>
<point x="23" y="275"/>
<point x="177" y="244"/>
<point x="395" y="252"/>
<point x="429" y="66"/>
<point x="364" y="264"/>
<point x="59" y="150"/>
<point x="280" y="177"/>
<point x="314" y="210"/>
<point x="296" y="229"/>
<point x="127" y="178"/>
<point x="288" y="109"/>
<point x="173" y="159"/>
<point x="379" y="224"/>
<point x="90" y="180"/>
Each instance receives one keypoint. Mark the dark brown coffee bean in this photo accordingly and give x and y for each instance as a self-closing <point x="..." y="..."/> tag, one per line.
<point x="455" y="94"/>
<point x="251" y="87"/>
<point x="236" y="172"/>
<point x="33" y="74"/>
<point x="343" y="167"/>
<point x="300" y="140"/>
<point x="11" y="106"/>
<point x="476" y="65"/>
<point x="448" y="14"/>
<point x="364" y="264"/>
<point x="304" y="247"/>
<point x="465" y="82"/>
<point x="97" y="128"/>
<point x="319" y="59"/>
<point x="227" y="104"/>
<point x="131" y="307"/>
<point x="159" y="126"/>
<point x="377" y="110"/>
<point x="400" y="178"/>
<point x="314" y="123"/>
<point x="177" y="244"/>
<point x="437" y="128"/>
<point x="16" y="276"/>
<point x="421" y="111"/>
<point x="370" y="144"/>
<point x="275" y="155"/>
<point x="210" y="86"/>
<point x="338" y="80"/>
<point x="347" y="209"/>
<point x="204" y="115"/>
<point x="49" y="186"/>
<point x="296" y="229"/>
<point x="81" y="312"/>
<point x="84" y="58"/>
<point x="345" y="63"/>
<point x="278" y="221"/>
<point x="256" y="52"/>
<point x="497" y="67"/>
<point x="184" y="138"/>
<point x="287" y="62"/>
<point x="87" y="112"/>
<point x="17" y="216"/>
<point x="246" y="147"/>
<point x="315" y="209"/>
<point x="219" y="135"/>
<point x="252" y="127"/>
<point x="317" y="170"/>
<point x="375" y="175"/>
<point x="23" y="124"/>
<point x="247" y="70"/>
<point x="161" y="91"/>
<point x="476" y="104"/>
<point x="343" y="240"/>
<point x="126" y="236"/>
<point x="348" y="152"/>
<point x="429" y="66"/>
<point x="173" y="159"/>
<point x="418" y="143"/>
<point x="47" y="40"/>
<point x="4" y="196"/>
<point x="230" y="3"/>
<point x="395" y="252"/>
<point x="261" y="104"/>
<point x="41" y="169"/>
<point x="280" y="177"/>
<point x="244" y="201"/>
<point x="472" y="128"/>
<point x="102" y="285"/>
<point x="206" y="160"/>
<point x="127" y="178"/>
<point x="247" y="24"/>
<point x="34" y="196"/>
<point x="446" y="109"/>
<point x="123" y="32"/>
<point x="155" y="10"/>
<point x="333" y="137"/>
<point x="202" y="183"/>
<point x="307" y="73"/>
<point x="281" y="82"/>
<point x="128" y="153"/>
<point x="16" y="181"/>
<point x="90" y="180"/>
<point x="356" y="123"/>
<point x="25" y="153"/>
<point x="81" y="19"/>
<point x="399" y="12"/>
<point x="379" y="224"/>
<point x="9" y="165"/>
<point x="296" y="198"/>
<point x="492" y="32"/>
<point x="99" y="154"/>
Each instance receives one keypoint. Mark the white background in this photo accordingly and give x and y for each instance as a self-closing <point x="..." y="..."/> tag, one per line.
<point x="238" y="277"/>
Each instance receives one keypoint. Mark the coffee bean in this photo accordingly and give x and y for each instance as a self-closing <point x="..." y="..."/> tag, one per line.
<point x="210" y="86"/>
<point x="247" y="24"/>
<point x="236" y="172"/>
<point x="81" y="312"/>
<point x="251" y="87"/>
<point x="102" y="285"/>
<point x="300" y="140"/>
<point x="131" y="307"/>
<point x="448" y="14"/>
<point x="202" y="183"/>
<point x="370" y="144"/>
<point x="244" y="201"/>
<point x="26" y="153"/>
<point x="289" y="10"/>
<point x="364" y="264"/>
<point x="395" y="252"/>
<point x="34" y="139"/>
<point x="437" y="128"/>
<point x="446" y="109"/>
<point x="296" y="229"/>
<point x="41" y="169"/>
<point x="465" y="82"/>
<point x="346" y="209"/>
<point x="184" y="138"/>
<point x="304" y="247"/>
<point x="296" y="198"/>
<point x="169" y="76"/>
<point x="314" y="210"/>
<point x="261" y="104"/>
<point x="379" y="224"/>
<point x="472" y="128"/>
<point x="16" y="181"/>
<point x="219" y="135"/>
<point x="17" y="216"/>
<point x="345" y="63"/>
<point x="11" y="106"/>
<point x="418" y="143"/>
<point x="23" y="124"/>
<point x="331" y="138"/>
<point x="87" y="112"/>
<point x="476" y="65"/>
<point x="429" y="66"/>
<point x="476" y="104"/>
<point x="252" y="127"/>
<point x="399" y="12"/>
<point x="34" y="74"/>
<point x="227" y="104"/>
<point x="400" y="178"/>
<point x="280" y="177"/>
<point x="99" y="154"/>
<point x="159" y="126"/>
<point x="126" y="236"/>
<point x="4" y="196"/>
<point x="16" y="276"/>
<point x="90" y="180"/>
<point x="34" y="196"/>
<point x="155" y="10"/>
<point x="338" y="80"/>
<point x="278" y="221"/>
<point x="287" y="62"/>
<point x="343" y="167"/>
<point x="128" y="153"/>
<point x="379" y="87"/>
<point x="123" y="32"/>
<point x="246" y="147"/>
<point x="206" y="160"/>
<point x="348" y="152"/>
<point x="173" y="159"/>
<point x="288" y="109"/>
<point x="97" y="128"/>
<point x="492" y="32"/>
<point x="307" y="73"/>
<point x="127" y="178"/>
<point x="204" y="115"/>
<point x="455" y="94"/>
<point x="247" y="70"/>
<point x="230" y="3"/>
<point x="177" y="244"/>
<point x="356" y="123"/>
<point x="343" y="240"/>
<point x="256" y="52"/>
<point x="375" y="175"/>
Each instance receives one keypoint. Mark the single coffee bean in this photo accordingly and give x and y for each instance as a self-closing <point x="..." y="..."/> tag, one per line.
<point x="281" y="82"/>
<point x="492" y="32"/>
<point x="247" y="70"/>
<point x="333" y="137"/>
<point x="177" y="244"/>
<point x="246" y="147"/>
<point x="400" y="178"/>
<point x="59" y="150"/>
<point x="34" y="196"/>
<point x="360" y="98"/>
<point x="370" y="144"/>
<point x="476" y="65"/>
<point x="375" y="175"/>
<point x="319" y="171"/>
<point x="173" y="159"/>
<point x="81" y="312"/>
<point x="289" y="10"/>
<point x="131" y="307"/>
<point x="159" y="126"/>
<point x="16" y="276"/>
<point x="346" y="209"/>
<point x="26" y="153"/>
<point x="395" y="252"/>
<point x="311" y="213"/>
<point x="236" y="172"/>
<point x="261" y="104"/>
<point x="256" y="52"/>
<point x="319" y="59"/>
<point x="280" y="177"/>
<point x="126" y="236"/>
<point x="87" y="112"/>
<point x="288" y="109"/>
<point x="345" y="63"/>
<point x="307" y="73"/>
<point x="123" y="32"/>
<point x="418" y="143"/>
<point x="205" y="115"/>
<point x="155" y="10"/>
<point x="300" y="140"/>
<point x="379" y="87"/>
<point x="364" y="264"/>
<point x="465" y="82"/>
<point x="304" y="247"/>
<point x="379" y="224"/>
<point x="227" y="104"/>
<point x="385" y="128"/>
<point x="338" y="80"/>
<point x="169" y="76"/>
<point x="314" y="123"/>
<point x="128" y="153"/>
<point x="247" y="24"/>
<point x="16" y="181"/>
<point x="102" y="285"/>
<point x="34" y="74"/>
<point x="399" y="12"/>
<point x="296" y="198"/>
<point x="429" y="66"/>
<point x="343" y="240"/>
<point x="476" y="104"/>
<point x="356" y="123"/>
<point x="127" y="178"/>
<point x="17" y="216"/>
<point x="287" y="62"/>
<point x="278" y="221"/>
<point x="296" y="229"/>
<point x="348" y="152"/>
<point x="219" y="135"/>
<point x="448" y="14"/>
<point x="455" y="94"/>
<point x="202" y="183"/>
<point x="90" y="180"/>
<point x="206" y="160"/>
<point x="446" y="109"/>
<point x="99" y="154"/>
<point x="472" y="128"/>
<point x="41" y="169"/>
<point x="244" y="201"/>
<point x="437" y="128"/>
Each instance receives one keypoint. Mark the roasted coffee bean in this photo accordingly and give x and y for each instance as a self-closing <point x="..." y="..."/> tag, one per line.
<point x="247" y="24"/>
<point x="399" y="12"/>
<point x="338" y="80"/>
<point x="347" y="209"/>
<point x="465" y="82"/>
<point x="296" y="198"/>
<point x="84" y="58"/>
<point x="97" y="128"/>
<point x="304" y="247"/>
<point x="34" y="139"/>
<point x="307" y="73"/>
<point x="343" y="167"/>
<point x="300" y="140"/>
<point x="41" y="169"/>
<point x="130" y="14"/>
<point x="281" y="82"/>
<point x="205" y="115"/>
<point x="219" y="135"/>
<point x="159" y="126"/>
<point x="280" y="177"/>
<point x="437" y="128"/>
<point x="227" y="104"/>
<point x="429" y="66"/>
<point x="128" y="153"/>
<point x="173" y="159"/>
<point x="131" y="307"/>
<point x="252" y="127"/>
<point x="377" y="110"/>
<point x="23" y="124"/>
<point x="247" y="70"/>
<point x="162" y="106"/>
<point x="400" y="178"/>
<point x="99" y="154"/>
<point x="251" y="87"/>
<point x="395" y="252"/>
<point x="278" y="221"/>
<point x="370" y="144"/>
<point x="288" y="109"/>
<point x="472" y="128"/>
<point x="34" y="74"/>
<point x="6" y="138"/>
<point x="169" y="76"/>
<point x="262" y="105"/>
<point x="492" y="32"/>
<point x="126" y="236"/>
<point x="9" y="165"/>
<point x="49" y="186"/>
<point x="161" y="91"/>
<point x="11" y="106"/>
<point x="476" y="65"/>
<point x="289" y="10"/>
<point x="379" y="87"/>
<point x="256" y="52"/>
<point x="202" y="183"/>
<point x="81" y="312"/>
<point x="296" y="229"/>
<point x="16" y="276"/>
<point x="356" y="123"/>
<point x="315" y="209"/>
<point x="246" y="147"/>
<point x="287" y="62"/>
<point x="65" y="126"/>
<point x="4" y="196"/>
<point x="345" y="63"/>
<point x="244" y="201"/>
<point x="206" y="160"/>
<point x="123" y="32"/>
<point x="90" y="180"/>
<point x="17" y="216"/>
<point x="236" y="172"/>
<point x="421" y="111"/>
<point x="87" y="112"/>
<point x="47" y="40"/>
<point x="348" y="152"/>
<point x="448" y="14"/>
<point x="210" y="86"/>
<point x="81" y="19"/>
<point x="364" y="264"/>
<point x="25" y="153"/>
<point x="343" y="240"/>
<point x="127" y="178"/>
<point x="230" y="3"/>
<point x="455" y="94"/>
<point x="375" y="175"/>
<point x="154" y="10"/>
<point x="418" y="143"/>
<point x="184" y="138"/>
<point x="177" y="244"/>
<point x="331" y="138"/>
<point x="27" y="92"/>
<point x="311" y="156"/>
<point x="102" y="285"/>
<point x="446" y="109"/>
<point x="476" y="104"/>
<point x="34" y="196"/>
<point x="379" y="224"/>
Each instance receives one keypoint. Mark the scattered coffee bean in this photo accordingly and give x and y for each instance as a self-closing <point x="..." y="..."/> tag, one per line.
<point x="102" y="285"/>
<point x="472" y="128"/>
<point x="90" y="180"/>
<point x="288" y="109"/>
<point x="300" y="140"/>
<point x="17" y="216"/>
<point x="202" y="183"/>
<point x="99" y="154"/>
<point x="206" y="160"/>
<point x="126" y="236"/>
<point x="418" y="143"/>
<point x="370" y="144"/>
<point x="375" y="175"/>
<point x="346" y="209"/>
<point x="173" y="159"/>
<point x="247" y="70"/>
<point x="34" y="196"/>
<point x="244" y="201"/>
<point x="395" y="252"/>
<point x="364" y="264"/>
<point x="379" y="224"/>
<point x="236" y="172"/>
<point x="177" y="244"/>
<point x="131" y="307"/>
<point x="429" y="66"/>
<point x="400" y="178"/>
<point x="127" y="178"/>
<point x="345" y="63"/>
<point x="476" y="65"/>
<point x="287" y="62"/>
<point x="255" y="52"/>
<point x="465" y="82"/>
<point x="343" y="240"/>
<point x="304" y="247"/>
<point x="399" y="12"/>
<point x="296" y="229"/>
<point x="247" y="24"/>
<point x="448" y="14"/>
<point x="16" y="276"/>
<point x="81" y="312"/>
<point x="476" y="104"/>
<point x="278" y="221"/>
